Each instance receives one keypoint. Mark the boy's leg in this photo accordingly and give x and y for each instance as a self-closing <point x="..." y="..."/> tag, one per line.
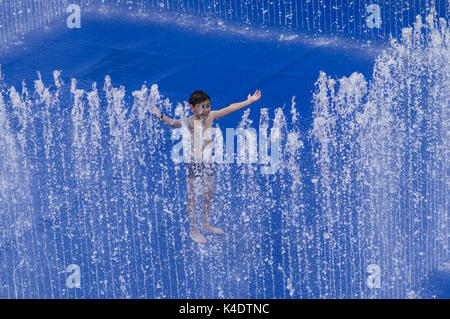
<point x="192" y="202"/>
<point x="208" y="195"/>
<point x="192" y="184"/>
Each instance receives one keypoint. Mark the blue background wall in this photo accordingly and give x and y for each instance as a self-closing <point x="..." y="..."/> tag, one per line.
<point x="334" y="17"/>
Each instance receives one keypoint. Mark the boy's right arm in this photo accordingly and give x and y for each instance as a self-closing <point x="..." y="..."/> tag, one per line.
<point x="171" y="122"/>
<point x="165" y="119"/>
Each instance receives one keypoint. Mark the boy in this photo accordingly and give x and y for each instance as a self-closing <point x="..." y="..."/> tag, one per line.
<point x="200" y="172"/>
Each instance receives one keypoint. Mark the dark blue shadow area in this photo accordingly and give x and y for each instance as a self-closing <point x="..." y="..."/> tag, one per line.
<point x="436" y="285"/>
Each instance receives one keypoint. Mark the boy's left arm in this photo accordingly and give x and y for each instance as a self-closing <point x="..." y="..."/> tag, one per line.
<point x="237" y="106"/>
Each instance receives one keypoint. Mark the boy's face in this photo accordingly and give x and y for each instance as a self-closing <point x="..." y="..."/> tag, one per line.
<point x="201" y="109"/>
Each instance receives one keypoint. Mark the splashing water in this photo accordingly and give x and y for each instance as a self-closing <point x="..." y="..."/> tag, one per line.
<point x="87" y="179"/>
<point x="382" y="166"/>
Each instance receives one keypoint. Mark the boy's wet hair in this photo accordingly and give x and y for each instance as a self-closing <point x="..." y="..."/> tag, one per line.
<point x="198" y="97"/>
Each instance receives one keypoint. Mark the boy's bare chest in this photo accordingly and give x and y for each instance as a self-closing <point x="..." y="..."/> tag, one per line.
<point x="200" y="129"/>
<point x="199" y="125"/>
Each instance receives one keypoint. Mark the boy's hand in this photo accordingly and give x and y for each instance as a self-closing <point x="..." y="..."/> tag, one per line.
<point x="255" y="97"/>
<point x="156" y="111"/>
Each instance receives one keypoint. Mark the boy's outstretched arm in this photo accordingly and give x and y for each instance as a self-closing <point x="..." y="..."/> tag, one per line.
<point x="165" y="119"/>
<point x="237" y="106"/>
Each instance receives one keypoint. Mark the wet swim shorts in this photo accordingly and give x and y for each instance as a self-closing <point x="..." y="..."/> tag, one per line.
<point x="199" y="169"/>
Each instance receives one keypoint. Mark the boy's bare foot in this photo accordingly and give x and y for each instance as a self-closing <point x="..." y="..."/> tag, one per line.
<point x="197" y="237"/>
<point x="212" y="230"/>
